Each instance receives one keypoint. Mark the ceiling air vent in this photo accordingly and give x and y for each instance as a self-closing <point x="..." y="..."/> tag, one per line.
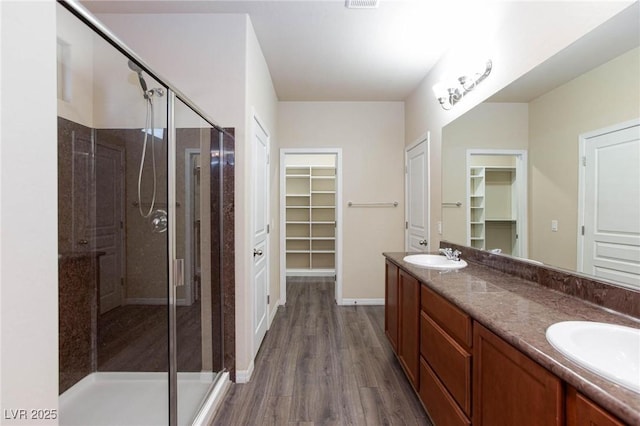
<point x="361" y="4"/>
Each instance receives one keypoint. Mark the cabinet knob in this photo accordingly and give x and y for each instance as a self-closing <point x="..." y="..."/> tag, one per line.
<point x="83" y="242"/>
<point x="423" y="242"/>
<point x="257" y="252"/>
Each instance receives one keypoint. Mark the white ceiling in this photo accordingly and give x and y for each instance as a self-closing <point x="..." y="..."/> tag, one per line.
<point x="317" y="50"/>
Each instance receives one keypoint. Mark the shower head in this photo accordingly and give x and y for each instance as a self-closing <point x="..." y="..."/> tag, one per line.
<point x="134" y="67"/>
<point x="143" y="84"/>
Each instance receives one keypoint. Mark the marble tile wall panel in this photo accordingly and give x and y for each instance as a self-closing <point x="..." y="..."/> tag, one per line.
<point x="228" y="252"/>
<point x="77" y="317"/>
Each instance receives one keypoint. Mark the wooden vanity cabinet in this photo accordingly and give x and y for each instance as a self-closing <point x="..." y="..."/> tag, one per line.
<point x="509" y="388"/>
<point x="581" y="411"/>
<point x="409" y="334"/>
<point x="464" y="373"/>
<point x="402" y="319"/>
<point x="391" y="305"/>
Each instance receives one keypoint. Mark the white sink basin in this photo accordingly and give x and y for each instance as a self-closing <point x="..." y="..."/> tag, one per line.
<point x="434" y="261"/>
<point x="612" y="351"/>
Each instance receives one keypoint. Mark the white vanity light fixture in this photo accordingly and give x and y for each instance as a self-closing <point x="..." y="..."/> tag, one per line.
<point x="451" y="92"/>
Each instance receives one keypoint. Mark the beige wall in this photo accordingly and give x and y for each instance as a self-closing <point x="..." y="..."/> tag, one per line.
<point x="371" y="136"/>
<point x="79" y="69"/>
<point x="487" y="126"/>
<point x="534" y="32"/>
<point x="607" y="95"/>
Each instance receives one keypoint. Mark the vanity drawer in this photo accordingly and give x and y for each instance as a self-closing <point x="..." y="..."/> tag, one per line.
<point x="450" y="361"/>
<point x="452" y="320"/>
<point x="442" y="409"/>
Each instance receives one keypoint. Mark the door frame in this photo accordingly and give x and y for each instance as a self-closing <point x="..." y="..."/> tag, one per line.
<point x="283" y="225"/>
<point x="522" y="177"/>
<point x="426" y="138"/>
<point x="582" y="146"/>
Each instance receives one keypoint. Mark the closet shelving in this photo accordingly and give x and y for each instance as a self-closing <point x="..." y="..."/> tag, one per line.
<point x="492" y="208"/>
<point x="310" y="219"/>
<point x="476" y="206"/>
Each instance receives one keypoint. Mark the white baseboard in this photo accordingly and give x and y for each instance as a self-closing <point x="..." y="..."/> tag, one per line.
<point x="274" y="311"/>
<point x="311" y="272"/>
<point x="243" y="376"/>
<point x="152" y="301"/>
<point x="213" y="401"/>
<point x="376" y="302"/>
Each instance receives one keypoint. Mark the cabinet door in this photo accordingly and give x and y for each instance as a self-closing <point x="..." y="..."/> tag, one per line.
<point x="509" y="388"/>
<point x="391" y="307"/>
<point x="409" y="343"/>
<point x="583" y="412"/>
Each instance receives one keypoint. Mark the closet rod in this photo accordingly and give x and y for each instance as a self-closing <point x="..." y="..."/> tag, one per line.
<point x="390" y="204"/>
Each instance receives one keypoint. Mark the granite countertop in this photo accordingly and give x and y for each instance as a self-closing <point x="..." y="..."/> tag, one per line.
<point x="519" y="311"/>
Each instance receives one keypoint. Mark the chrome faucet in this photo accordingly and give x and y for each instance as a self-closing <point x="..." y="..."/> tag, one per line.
<point x="451" y="254"/>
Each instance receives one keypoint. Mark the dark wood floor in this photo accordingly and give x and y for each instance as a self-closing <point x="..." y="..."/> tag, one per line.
<point x="135" y="338"/>
<point x="323" y="364"/>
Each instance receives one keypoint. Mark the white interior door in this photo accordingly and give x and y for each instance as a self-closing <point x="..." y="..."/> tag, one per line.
<point x="417" y="197"/>
<point x="109" y="222"/>
<point x="611" y="206"/>
<point x="260" y="141"/>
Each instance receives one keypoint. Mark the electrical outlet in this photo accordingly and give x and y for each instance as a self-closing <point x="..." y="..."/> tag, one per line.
<point x="554" y="226"/>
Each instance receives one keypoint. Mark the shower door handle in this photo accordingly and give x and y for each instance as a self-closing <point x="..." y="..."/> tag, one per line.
<point x="178" y="272"/>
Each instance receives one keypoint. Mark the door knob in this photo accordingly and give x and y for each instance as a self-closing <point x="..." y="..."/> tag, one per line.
<point x="423" y="242"/>
<point x="83" y="242"/>
<point x="257" y="252"/>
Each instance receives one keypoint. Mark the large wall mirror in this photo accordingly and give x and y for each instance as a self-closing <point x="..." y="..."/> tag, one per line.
<point x="575" y="120"/>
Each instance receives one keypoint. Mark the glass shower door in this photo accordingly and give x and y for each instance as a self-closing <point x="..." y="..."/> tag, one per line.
<point x="113" y="240"/>
<point x="196" y="290"/>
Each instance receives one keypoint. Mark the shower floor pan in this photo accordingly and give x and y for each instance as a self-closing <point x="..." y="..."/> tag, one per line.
<point x="121" y="399"/>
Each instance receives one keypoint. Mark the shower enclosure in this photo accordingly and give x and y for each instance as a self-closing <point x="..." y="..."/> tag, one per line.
<point x="140" y="204"/>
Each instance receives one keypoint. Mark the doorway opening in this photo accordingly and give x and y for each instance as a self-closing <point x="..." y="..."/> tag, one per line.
<point x="496" y="200"/>
<point x="310" y="216"/>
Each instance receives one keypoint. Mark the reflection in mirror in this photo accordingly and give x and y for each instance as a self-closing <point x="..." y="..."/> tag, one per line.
<point x="580" y="107"/>
<point x="496" y="197"/>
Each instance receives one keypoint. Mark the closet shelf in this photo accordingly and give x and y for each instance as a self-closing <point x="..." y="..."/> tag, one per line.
<point x="313" y="214"/>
